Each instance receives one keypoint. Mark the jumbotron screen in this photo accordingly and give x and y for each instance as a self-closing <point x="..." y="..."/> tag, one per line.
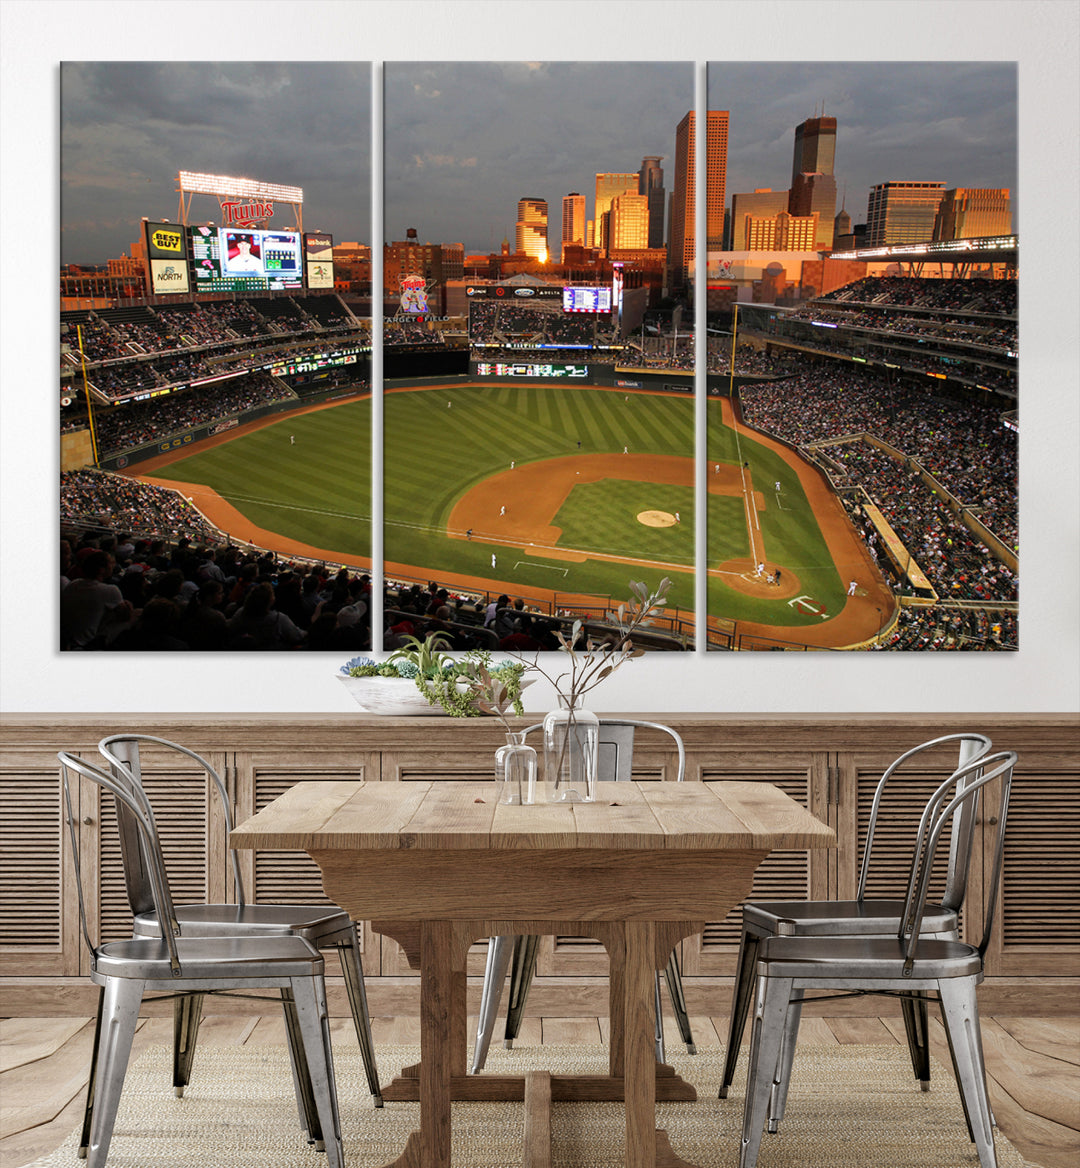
<point x="233" y="259"/>
<point x="594" y="299"/>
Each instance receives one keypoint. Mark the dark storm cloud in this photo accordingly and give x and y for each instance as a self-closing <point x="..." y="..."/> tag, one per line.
<point x="465" y="141"/>
<point x="127" y="128"/>
<point x="951" y="122"/>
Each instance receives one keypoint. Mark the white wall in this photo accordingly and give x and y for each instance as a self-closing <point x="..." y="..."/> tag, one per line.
<point x="1044" y="675"/>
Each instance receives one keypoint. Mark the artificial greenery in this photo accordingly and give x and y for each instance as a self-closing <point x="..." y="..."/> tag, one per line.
<point x="464" y="687"/>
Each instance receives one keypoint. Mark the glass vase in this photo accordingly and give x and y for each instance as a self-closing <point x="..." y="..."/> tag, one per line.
<point x="515" y="770"/>
<point x="571" y="741"/>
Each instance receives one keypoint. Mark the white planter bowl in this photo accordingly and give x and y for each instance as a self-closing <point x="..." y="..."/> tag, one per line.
<point x="388" y="695"/>
<point x="393" y="696"/>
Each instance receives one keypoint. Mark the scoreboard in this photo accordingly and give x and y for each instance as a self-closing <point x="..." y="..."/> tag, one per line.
<point x="530" y="369"/>
<point x="232" y="260"/>
<point x="592" y="299"/>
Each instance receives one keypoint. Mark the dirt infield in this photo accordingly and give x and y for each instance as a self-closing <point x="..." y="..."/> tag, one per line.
<point x="863" y="614"/>
<point x="538" y="491"/>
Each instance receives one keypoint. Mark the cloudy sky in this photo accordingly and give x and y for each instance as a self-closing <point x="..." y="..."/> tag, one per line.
<point x="951" y="122"/>
<point x="465" y="140"/>
<point x="127" y="128"/>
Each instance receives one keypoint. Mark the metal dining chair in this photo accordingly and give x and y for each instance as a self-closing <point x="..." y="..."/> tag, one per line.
<point x="518" y="953"/>
<point x="908" y="963"/>
<point x="863" y="916"/>
<point x="322" y="926"/>
<point x="171" y="963"/>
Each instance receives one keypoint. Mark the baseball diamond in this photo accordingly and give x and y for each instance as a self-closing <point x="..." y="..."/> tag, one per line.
<point x="545" y="476"/>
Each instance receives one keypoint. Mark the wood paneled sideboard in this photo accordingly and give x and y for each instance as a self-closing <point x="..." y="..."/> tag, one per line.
<point x="830" y="763"/>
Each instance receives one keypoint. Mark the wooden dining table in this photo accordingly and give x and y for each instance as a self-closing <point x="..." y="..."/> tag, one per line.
<point x="437" y="865"/>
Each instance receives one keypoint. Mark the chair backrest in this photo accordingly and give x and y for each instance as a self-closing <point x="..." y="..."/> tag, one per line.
<point x="140" y="817"/>
<point x="615" y="754"/>
<point x="121" y="752"/>
<point x="972" y="747"/>
<point x="961" y="791"/>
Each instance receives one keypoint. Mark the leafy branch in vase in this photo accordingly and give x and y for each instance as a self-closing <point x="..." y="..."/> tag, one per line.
<point x="587" y="667"/>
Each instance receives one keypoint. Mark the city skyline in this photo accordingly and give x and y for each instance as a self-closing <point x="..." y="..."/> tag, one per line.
<point x="464" y="142"/>
<point x="919" y="121"/>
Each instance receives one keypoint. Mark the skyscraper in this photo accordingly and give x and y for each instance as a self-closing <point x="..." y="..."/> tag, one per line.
<point x="815" y="148"/>
<point x="967" y="212"/>
<point x="813" y="185"/>
<point x="651" y="184"/>
<point x="629" y="222"/>
<point x="902" y="212"/>
<point x="608" y="185"/>
<point x="763" y="203"/>
<point x="681" y="220"/>
<point x="573" y="218"/>
<point x="532" y="228"/>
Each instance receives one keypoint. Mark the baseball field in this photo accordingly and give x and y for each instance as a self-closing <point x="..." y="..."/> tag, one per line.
<point x="544" y="488"/>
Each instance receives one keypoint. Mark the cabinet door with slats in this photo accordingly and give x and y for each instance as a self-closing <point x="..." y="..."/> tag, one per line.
<point x="782" y="875"/>
<point x="1037" y="925"/>
<point x="283" y="877"/>
<point x="39" y="925"/>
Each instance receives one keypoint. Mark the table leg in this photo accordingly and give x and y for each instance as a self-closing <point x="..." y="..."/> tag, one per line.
<point x="442" y="1036"/>
<point x="639" y="1052"/>
<point x="646" y="1145"/>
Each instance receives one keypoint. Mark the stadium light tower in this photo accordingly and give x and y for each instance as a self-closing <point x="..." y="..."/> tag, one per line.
<point x="243" y="201"/>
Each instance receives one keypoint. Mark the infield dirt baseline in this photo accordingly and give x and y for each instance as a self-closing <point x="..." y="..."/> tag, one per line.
<point x="858" y="621"/>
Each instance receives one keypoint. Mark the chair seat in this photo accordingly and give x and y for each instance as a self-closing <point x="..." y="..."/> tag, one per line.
<point x="865" y="958"/>
<point x="207" y="958"/>
<point x="840" y="918"/>
<point x="310" y="921"/>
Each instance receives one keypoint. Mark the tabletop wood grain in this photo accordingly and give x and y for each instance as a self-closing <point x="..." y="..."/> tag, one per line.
<point x="455" y="814"/>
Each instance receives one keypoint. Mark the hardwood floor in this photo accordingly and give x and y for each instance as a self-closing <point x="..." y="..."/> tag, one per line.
<point x="1033" y="1066"/>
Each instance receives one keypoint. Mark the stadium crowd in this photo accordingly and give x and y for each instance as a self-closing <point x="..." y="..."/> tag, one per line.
<point x="942" y="630"/>
<point x="993" y="297"/>
<point x="116" y="334"/>
<point x="188" y="591"/>
<point x="964" y="446"/>
<point x="957" y="564"/>
<point x="943" y="327"/>
<point x="129" y="426"/>
<point x="494" y="323"/>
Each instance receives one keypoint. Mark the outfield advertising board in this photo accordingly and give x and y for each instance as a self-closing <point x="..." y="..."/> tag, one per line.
<point x="166" y="253"/>
<point x="319" y="259"/>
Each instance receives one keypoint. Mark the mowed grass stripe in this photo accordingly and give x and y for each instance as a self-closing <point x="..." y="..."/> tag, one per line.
<point x="318" y="490"/>
<point x="583" y="424"/>
<point x="595" y="517"/>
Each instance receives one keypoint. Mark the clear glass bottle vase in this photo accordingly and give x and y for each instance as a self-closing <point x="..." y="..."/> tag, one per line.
<point x="571" y="741"/>
<point x="515" y="770"/>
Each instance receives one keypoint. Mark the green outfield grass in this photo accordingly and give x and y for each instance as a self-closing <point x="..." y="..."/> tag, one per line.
<point x="317" y="490"/>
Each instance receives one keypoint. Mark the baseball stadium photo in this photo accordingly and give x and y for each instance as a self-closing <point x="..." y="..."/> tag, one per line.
<point x="535" y="405"/>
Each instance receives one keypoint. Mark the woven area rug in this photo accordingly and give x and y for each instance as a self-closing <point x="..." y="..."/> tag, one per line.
<point x="849" y="1107"/>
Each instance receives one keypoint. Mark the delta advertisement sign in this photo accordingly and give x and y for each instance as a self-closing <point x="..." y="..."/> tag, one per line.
<point x="166" y="255"/>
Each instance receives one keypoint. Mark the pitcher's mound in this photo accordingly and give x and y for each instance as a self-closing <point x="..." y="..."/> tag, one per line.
<point x="657" y="518"/>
